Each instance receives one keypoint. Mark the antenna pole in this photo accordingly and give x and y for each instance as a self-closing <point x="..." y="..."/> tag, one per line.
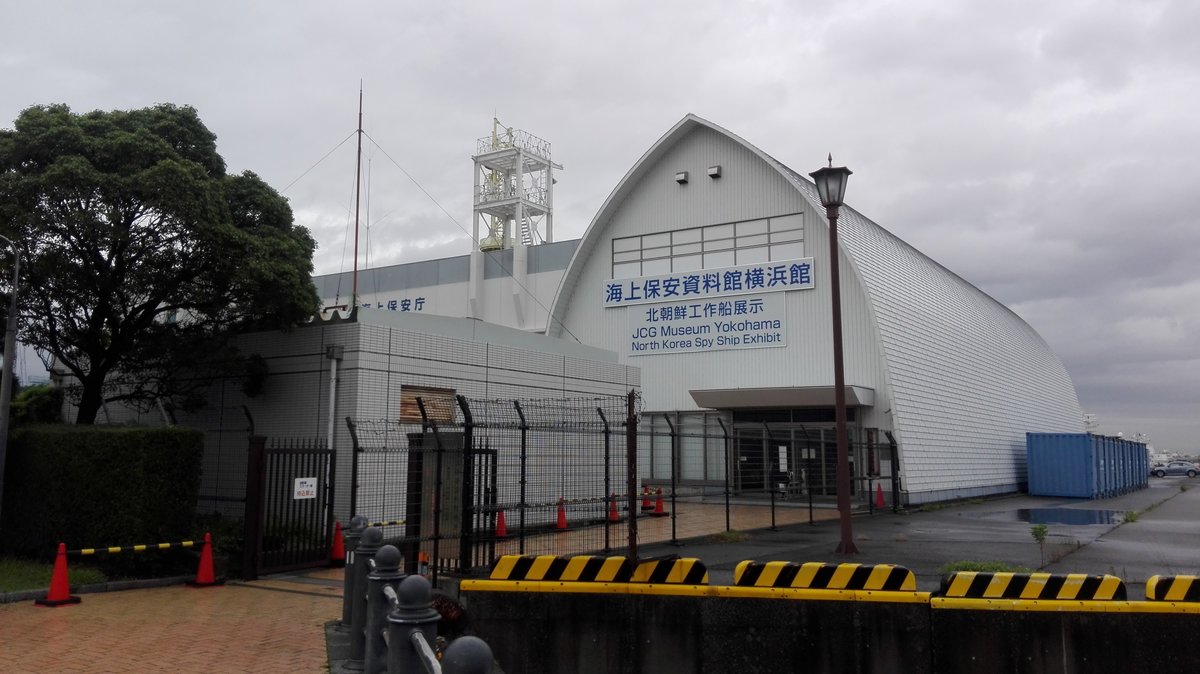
<point x="357" y="187"/>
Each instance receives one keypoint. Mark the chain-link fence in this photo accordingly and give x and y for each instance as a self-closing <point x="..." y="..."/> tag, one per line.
<point x="458" y="482"/>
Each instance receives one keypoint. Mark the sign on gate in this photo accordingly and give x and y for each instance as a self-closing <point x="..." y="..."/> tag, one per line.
<point x="305" y="487"/>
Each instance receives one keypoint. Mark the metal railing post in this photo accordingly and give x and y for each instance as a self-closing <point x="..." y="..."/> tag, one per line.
<point x="674" y="472"/>
<point x="368" y="545"/>
<point x="524" y="457"/>
<point x="358" y="523"/>
<point x="435" y="560"/>
<point x="728" y="469"/>
<point x="608" y="479"/>
<point x="387" y="573"/>
<point x="466" y="521"/>
<point x="631" y="429"/>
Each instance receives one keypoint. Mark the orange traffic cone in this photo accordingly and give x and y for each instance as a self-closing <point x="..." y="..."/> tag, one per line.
<point x="646" y="505"/>
<point x="879" y="497"/>
<point x="561" y="525"/>
<point x="612" y="508"/>
<point x="204" y="572"/>
<point x="501" y="527"/>
<point x="658" y="506"/>
<point x="60" y="589"/>
<point x="337" y="551"/>
<point x="423" y="563"/>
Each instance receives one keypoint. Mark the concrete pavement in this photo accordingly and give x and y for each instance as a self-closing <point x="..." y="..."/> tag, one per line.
<point x="1165" y="538"/>
<point x="276" y="624"/>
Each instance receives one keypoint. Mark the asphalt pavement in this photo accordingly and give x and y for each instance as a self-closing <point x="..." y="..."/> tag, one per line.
<point x="1136" y="535"/>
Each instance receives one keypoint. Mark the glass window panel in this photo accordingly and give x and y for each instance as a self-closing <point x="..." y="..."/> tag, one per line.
<point x="685" y="249"/>
<point x="656" y="240"/>
<point x="787" y="222"/>
<point x="631" y="243"/>
<point x="627" y="270"/>
<point x="650" y="253"/>
<point x="687" y="263"/>
<point x="752" y="227"/>
<point x="718" y="232"/>
<point x="751" y="255"/>
<point x="787" y="251"/>
<point x="722" y="244"/>
<point x="627" y="257"/>
<point x="790" y="235"/>
<point x="655" y="267"/>
<point x="686" y="235"/>
<point x="748" y="241"/>
<point x="722" y="258"/>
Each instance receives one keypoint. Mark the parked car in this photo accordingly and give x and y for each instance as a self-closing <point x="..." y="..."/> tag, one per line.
<point x="1175" y="468"/>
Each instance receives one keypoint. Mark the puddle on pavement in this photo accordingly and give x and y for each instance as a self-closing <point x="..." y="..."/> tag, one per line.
<point x="1069" y="516"/>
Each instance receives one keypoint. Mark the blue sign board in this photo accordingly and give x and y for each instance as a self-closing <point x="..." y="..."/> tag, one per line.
<point x="711" y="284"/>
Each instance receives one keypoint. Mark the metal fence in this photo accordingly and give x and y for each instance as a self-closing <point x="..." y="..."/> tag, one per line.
<point x="462" y="481"/>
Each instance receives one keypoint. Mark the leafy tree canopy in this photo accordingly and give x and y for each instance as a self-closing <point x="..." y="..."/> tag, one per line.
<point x="140" y="255"/>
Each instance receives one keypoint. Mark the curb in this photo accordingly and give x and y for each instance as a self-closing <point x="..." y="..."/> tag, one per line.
<point x="111" y="586"/>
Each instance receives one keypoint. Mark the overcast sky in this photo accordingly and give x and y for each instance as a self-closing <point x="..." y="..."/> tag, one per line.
<point x="1044" y="151"/>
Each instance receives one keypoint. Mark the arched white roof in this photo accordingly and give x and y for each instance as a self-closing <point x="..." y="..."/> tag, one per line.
<point x="967" y="376"/>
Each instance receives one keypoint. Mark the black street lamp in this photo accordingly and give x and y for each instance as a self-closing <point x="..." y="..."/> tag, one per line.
<point x="831" y="185"/>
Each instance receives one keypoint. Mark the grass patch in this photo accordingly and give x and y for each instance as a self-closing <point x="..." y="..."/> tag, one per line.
<point x="1130" y="516"/>
<point x="24" y="574"/>
<point x="729" y="537"/>
<point x="986" y="567"/>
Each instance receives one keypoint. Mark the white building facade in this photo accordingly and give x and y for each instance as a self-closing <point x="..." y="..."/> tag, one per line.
<point x="707" y="269"/>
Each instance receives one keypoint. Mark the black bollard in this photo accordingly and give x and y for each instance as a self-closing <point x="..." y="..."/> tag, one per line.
<point x="350" y="539"/>
<point x="368" y="545"/>
<point x="413" y="615"/>
<point x="387" y="573"/>
<point x="467" y="655"/>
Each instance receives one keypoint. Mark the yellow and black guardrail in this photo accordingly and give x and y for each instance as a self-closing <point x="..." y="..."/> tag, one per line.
<point x="590" y="569"/>
<point x="820" y="576"/>
<point x="112" y="550"/>
<point x="1173" y="588"/>
<point x="1032" y="586"/>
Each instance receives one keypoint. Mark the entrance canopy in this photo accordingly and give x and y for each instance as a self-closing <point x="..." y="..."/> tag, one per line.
<point x="785" y="396"/>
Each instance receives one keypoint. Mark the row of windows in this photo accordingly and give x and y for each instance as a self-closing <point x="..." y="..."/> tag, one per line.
<point x="726" y="245"/>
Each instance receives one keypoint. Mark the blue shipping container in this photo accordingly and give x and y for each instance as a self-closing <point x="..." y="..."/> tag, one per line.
<point x="1082" y="465"/>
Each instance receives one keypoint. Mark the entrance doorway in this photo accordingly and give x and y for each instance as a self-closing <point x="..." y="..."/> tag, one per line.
<point x="792" y="459"/>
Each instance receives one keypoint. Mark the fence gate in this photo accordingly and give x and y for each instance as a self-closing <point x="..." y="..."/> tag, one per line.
<point x="289" y="506"/>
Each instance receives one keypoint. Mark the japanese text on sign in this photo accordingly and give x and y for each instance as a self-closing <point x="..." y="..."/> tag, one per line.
<point x="306" y="487"/>
<point x="711" y="283"/>
<point x="714" y="325"/>
<point x="405" y="304"/>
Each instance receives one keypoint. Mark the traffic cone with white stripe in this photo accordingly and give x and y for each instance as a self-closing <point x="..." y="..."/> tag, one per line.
<point x="612" y="508"/>
<point x="646" y="504"/>
<point x="60" y="589"/>
<point x="561" y="524"/>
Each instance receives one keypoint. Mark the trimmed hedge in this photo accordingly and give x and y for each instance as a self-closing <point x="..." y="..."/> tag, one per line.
<point x="91" y="486"/>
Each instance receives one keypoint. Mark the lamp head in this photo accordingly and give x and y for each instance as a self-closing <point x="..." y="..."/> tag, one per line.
<point x="831" y="183"/>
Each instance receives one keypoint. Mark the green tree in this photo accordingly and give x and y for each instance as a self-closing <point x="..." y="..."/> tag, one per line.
<point x="141" y="256"/>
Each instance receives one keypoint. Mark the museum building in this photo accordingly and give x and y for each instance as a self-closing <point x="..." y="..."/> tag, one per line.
<point x="706" y="270"/>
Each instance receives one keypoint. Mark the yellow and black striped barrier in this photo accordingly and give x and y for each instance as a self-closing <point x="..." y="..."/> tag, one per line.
<point x="1173" y="588"/>
<point x="587" y="569"/>
<point x="387" y="523"/>
<point x="580" y="569"/>
<point x="1031" y="586"/>
<point x="135" y="548"/>
<point x="820" y="576"/>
